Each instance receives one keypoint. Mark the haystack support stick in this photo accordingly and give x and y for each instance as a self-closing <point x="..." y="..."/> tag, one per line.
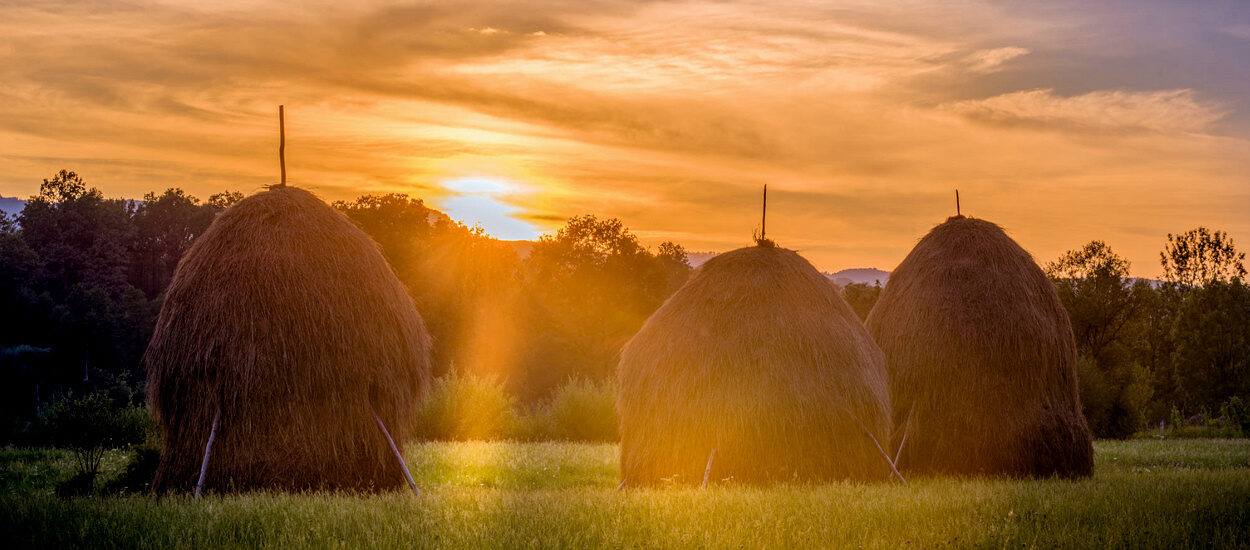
<point x="707" y="471"/>
<point x="282" y="142"/>
<point x="208" y="452"/>
<point x="957" y="203"/>
<point x="906" y="428"/>
<point x="884" y="454"/>
<point x="403" y="466"/>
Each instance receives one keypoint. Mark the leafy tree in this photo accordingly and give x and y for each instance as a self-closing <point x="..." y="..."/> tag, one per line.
<point x="81" y="237"/>
<point x="165" y="226"/>
<point x="861" y="297"/>
<point x="224" y="200"/>
<point x="89" y="425"/>
<point x="1198" y="256"/>
<point x="1211" y="362"/>
<point x="1093" y="284"/>
<point x="1101" y="300"/>
<point x="676" y="263"/>
<point x="593" y="285"/>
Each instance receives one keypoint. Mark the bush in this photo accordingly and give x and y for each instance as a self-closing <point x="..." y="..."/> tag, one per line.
<point x="462" y="408"/>
<point x="87" y="426"/>
<point x="582" y="410"/>
<point x="140" y="469"/>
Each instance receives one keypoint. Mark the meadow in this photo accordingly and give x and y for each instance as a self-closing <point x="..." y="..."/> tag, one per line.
<point x="1144" y="494"/>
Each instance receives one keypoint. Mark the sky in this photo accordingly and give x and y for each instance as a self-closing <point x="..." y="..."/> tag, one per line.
<point x="1061" y="121"/>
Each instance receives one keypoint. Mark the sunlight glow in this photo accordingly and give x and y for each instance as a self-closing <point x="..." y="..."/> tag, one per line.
<point x="483" y="201"/>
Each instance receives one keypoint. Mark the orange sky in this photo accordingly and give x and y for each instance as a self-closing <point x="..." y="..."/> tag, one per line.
<point x="1120" y="121"/>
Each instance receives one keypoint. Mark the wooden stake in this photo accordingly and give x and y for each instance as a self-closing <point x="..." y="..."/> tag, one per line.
<point x="622" y="485"/>
<point x="282" y="143"/>
<point x="208" y="452"/>
<point x="707" y="471"/>
<point x="906" y="428"/>
<point x="764" y="214"/>
<point x="957" y="213"/>
<point x="403" y="466"/>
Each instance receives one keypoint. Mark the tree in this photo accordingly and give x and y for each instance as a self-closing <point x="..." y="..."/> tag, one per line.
<point x="81" y="237"/>
<point x="1198" y="256"/>
<point x="861" y="297"/>
<point x="1093" y="284"/>
<point x="224" y="200"/>
<point x="593" y="286"/>
<point x="673" y="258"/>
<point x="1211" y="363"/>
<point x="165" y="226"/>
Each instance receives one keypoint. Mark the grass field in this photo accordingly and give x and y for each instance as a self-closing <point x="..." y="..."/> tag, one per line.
<point x="1145" y="494"/>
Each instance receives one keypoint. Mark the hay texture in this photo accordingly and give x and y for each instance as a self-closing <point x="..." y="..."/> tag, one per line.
<point x="981" y="359"/>
<point x="759" y="358"/>
<point x="286" y="318"/>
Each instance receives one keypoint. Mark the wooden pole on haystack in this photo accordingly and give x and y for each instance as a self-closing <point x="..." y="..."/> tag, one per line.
<point x="957" y="213"/>
<point x="282" y="143"/>
<point x="764" y="214"/>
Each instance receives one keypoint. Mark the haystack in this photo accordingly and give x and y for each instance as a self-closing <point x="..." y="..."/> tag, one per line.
<point x="758" y="359"/>
<point x="285" y="319"/>
<point x="981" y="358"/>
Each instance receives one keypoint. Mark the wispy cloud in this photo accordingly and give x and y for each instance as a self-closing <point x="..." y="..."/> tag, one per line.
<point x="1167" y="111"/>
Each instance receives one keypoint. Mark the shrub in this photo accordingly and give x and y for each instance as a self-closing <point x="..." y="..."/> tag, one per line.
<point x="87" y="426"/>
<point x="140" y="469"/>
<point x="462" y="408"/>
<point x="581" y="410"/>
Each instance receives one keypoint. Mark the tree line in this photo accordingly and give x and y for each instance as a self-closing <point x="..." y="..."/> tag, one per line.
<point x="82" y="279"/>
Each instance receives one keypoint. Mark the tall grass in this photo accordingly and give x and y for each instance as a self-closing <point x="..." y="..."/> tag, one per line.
<point x="1145" y="494"/>
<point x="478" y="408"/>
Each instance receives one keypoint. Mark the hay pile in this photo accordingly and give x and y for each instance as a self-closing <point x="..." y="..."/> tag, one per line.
<point x="981" y="358"/>
<point x="285" y="317"/>
<point x="759" y="358"/>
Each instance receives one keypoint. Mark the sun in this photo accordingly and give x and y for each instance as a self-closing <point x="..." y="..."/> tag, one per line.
<point x="486" y="201"/>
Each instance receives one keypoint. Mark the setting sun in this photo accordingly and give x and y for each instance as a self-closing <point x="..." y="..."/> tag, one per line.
<point x="488" y="202"/>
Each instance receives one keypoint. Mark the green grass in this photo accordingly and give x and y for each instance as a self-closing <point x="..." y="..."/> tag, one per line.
<point x="1145" y="494"/>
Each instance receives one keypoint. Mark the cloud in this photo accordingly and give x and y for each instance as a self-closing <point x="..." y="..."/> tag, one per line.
<point x="1166" y="111"/>
<point x="987" y="61"/>
<point x="668" y="115"/>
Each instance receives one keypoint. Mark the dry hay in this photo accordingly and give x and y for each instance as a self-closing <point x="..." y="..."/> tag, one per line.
<point x="758" y="358"/>
<point x="286" y="318"/>
<point x="981" y="359"/>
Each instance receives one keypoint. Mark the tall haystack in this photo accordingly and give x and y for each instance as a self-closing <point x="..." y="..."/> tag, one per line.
<point x="285" y="319"/>
<point x="760" y="360"/>
<point x="981" y="358"/>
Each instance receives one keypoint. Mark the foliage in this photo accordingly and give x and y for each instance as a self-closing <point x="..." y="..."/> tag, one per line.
<point x="1212" y="357"/>
<point x="861" y="297"/>
<point x="581" y="410"/>
<point x="467" y="408"/>
<point x="87" y="426"/>
<point x="1199" y="256"/>
<point x="1102" y="302"/>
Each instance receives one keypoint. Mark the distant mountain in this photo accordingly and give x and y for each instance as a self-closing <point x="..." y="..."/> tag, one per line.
<point x="866" y="276"/>
<point x="11" y="205"/>
<point x="696" y="259"/>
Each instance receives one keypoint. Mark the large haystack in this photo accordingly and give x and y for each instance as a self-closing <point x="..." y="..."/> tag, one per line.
<point x="758" y="358"/>
<point x="285" y="317"/>
<point x="981" y="358"/>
